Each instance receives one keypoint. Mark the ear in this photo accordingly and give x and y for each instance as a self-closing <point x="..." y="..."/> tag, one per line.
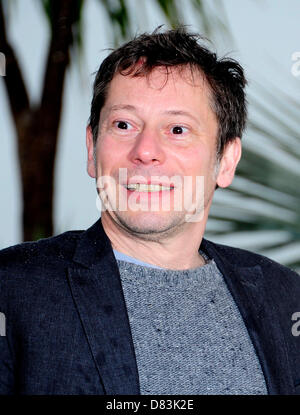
<point x="231" y="157"/>
<point x="91" y="168"/>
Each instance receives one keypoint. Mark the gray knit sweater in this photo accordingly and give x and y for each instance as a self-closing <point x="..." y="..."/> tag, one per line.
<point x="188" y="334"/>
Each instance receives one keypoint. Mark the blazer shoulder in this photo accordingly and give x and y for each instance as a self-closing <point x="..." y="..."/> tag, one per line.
<point x="55" y="249"/>
<point x="244" y="258"/>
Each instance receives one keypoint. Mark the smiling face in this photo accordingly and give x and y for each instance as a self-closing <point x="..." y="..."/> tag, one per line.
<point x="163" y="131"/>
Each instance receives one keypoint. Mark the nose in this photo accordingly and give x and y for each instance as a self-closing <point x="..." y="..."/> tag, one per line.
<point x="147" y="149"/>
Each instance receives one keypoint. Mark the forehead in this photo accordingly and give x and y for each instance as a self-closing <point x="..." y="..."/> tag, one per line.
<point x="185" y="85"/>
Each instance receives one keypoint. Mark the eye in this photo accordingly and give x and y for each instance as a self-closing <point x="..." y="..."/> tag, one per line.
<point x="123" y="125"/>
<point x="178" y="129"/>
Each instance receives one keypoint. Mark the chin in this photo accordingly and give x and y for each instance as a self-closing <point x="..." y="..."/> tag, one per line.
<point x="151" y="224"/>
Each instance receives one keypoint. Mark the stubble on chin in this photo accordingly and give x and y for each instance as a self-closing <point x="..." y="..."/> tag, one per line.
<point x="149" y="229"/>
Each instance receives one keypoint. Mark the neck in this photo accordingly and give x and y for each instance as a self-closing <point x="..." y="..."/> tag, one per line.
<point x="177" y="250"/>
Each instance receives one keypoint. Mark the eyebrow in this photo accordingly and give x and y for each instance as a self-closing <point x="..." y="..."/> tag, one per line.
<point x="122" y="107"/>
<point x="180" y="112"/>
<point x="168" y="112"/>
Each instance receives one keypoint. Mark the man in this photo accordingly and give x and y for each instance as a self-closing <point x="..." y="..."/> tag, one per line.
<point x="141" y="302"/>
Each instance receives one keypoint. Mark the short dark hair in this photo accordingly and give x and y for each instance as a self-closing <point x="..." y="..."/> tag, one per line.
<point x="178" y="48"/>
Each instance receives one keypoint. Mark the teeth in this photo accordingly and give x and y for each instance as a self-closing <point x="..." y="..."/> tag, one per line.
<point x="146" y="187"/>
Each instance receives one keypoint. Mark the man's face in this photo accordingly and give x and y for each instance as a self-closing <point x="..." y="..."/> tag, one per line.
<point x="163" y="131"/>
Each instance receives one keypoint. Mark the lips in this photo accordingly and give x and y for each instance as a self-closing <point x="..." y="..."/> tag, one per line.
<point x="143" y="187"/>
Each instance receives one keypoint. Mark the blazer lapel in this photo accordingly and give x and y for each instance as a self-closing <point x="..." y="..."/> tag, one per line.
<point x="97" y="292"/>
<point x="256" y="306"/>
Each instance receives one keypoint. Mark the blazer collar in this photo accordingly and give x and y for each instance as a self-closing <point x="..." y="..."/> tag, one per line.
<point x="93" y="245"/>
<point x="98" y="295"/>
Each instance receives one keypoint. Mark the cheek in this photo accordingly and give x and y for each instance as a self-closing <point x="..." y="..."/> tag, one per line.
<point x="109" y="155"/>
<point x="197" y="162"/>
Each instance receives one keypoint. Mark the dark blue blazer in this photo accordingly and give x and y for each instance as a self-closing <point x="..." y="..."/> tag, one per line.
<point x="67" y="328"/>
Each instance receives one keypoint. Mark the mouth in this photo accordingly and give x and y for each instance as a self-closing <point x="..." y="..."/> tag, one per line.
<point x="147" y="188"/>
